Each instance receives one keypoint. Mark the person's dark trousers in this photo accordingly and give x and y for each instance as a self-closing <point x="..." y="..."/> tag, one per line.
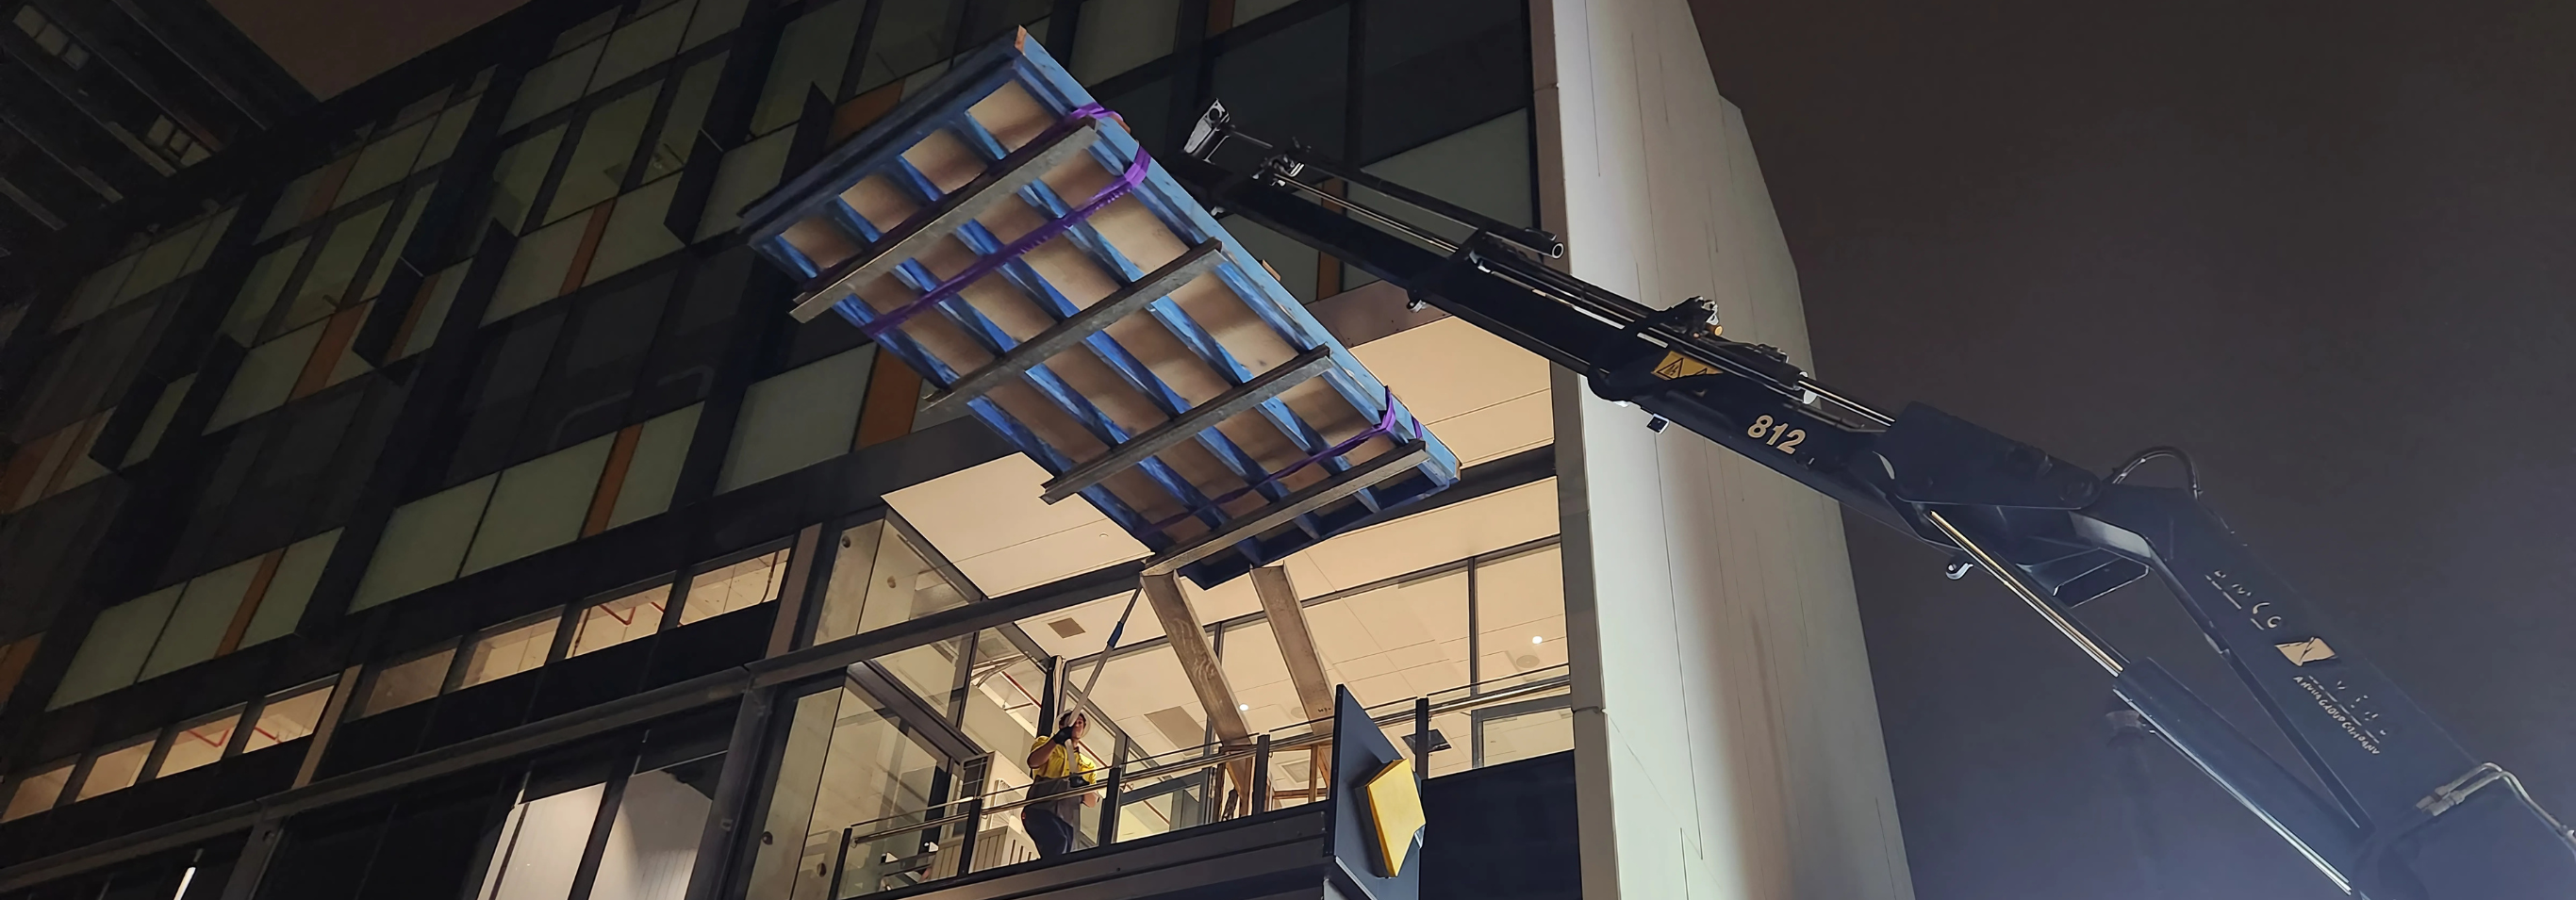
<point x="1053" y="835"/>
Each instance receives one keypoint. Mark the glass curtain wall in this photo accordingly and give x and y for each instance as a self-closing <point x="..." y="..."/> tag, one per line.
<point x="867" y="755"/>
<point x="847" y="763"/>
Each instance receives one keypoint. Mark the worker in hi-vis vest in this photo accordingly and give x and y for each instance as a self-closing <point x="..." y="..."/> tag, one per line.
<point x="1060" y="786"/>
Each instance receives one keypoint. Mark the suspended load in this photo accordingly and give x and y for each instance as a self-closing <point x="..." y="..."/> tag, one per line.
<point x="1005" y="236"/>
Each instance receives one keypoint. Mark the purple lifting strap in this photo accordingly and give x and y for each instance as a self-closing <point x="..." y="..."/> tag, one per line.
<point x="1386" y="425"/>
<point x="1127" y="181"/>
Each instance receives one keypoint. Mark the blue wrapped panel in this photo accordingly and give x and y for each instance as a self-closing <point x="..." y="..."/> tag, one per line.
<point x="971" y="285"/>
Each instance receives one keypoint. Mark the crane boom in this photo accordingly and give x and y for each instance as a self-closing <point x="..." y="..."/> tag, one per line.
<point x="2406" y="813"/>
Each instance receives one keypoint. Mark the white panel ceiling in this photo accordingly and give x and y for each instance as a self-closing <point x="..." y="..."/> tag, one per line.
<point x="1418" y="542"/>
<point x="989" y="521"/>
<point x="1479" y="394"/>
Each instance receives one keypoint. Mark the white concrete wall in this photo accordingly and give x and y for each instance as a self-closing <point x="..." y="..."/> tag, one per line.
<point x="1727" y="739"/>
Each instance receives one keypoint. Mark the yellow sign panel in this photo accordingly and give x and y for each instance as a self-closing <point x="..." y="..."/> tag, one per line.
<point x="1395" y="810"/>
<point x="2304" y="652"/>
<point x="1676" y="365"/>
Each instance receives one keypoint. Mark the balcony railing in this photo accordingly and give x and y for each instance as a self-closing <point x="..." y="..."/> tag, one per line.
<point x="1202" y="785"/>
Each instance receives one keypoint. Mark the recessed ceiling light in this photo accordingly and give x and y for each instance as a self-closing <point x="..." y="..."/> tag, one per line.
<point x="1242" y="707"/>
<point x="1535" y="639"/>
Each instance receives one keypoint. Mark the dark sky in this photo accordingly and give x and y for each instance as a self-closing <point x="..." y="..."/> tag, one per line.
<point x="2329" y="248"/>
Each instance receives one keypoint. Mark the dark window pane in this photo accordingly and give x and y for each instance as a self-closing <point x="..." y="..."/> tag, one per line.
<point x="97" y="363"/>
<point x="1289" y="85"/>
<point x="324" y="856"/>
<point x="356" y="459"/>
<point x="988" y="19"/>
<point x="431" y="843"/>
<point x="301" y="448"/>
<point x="825" y="336"/>
<point x="1431" y="67"/>
<point x="910" y="34"/>
<point x="222" y="485"/>
<point x="587" y="394"/>
<point x="1147" y="110"/>
<point x="693" y="339"/>
<point x="505" y="382"/>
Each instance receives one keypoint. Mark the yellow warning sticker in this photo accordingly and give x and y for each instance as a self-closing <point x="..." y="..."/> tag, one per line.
<point x="1676" y="365"/>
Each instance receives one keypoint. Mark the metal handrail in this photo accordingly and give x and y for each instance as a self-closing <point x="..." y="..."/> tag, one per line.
<point x="1226" y="753"/>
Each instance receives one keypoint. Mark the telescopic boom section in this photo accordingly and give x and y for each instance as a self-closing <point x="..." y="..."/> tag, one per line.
<point x="2405" y="813"/>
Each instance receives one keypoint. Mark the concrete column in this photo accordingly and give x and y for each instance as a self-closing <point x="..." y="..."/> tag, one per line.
<point x="1727" y="738"/>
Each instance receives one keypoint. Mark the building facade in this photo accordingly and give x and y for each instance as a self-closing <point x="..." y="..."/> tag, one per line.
<point x="440" y="503"/>
<point x="108" y="100"/>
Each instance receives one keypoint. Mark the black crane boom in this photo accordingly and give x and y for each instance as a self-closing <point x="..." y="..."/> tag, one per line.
<point x="2406" y="814"/>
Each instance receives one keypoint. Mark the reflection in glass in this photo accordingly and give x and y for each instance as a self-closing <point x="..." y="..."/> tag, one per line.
<point x="742" y="585"/>
<point x="1118" y="35"/>
<point x="618" y="621"/>
<point x="908" y="36"/>
<point x="551" y="86"/>
<point x="116" y="769"/>
<point x="259" y="292"/>
<point x="607" y="146"/>
<point x="878" y="580"/>
<point x="407" y="682"/>
<point x="1289" y="85"/>
<point x="846" y="764"/>
<point x="679" y="134"/>
<point x="541" y="846"/>
<point x="1002" y="708"/>
<point x="509" y="652"/>
<point x="653" y="842"/>
<point x="930" y="671"/>
<point x="812" y="52"/>
<point x="1509" y="734"/>
<point x="289" y="716"/>
<point x="198" y="743"/>
<point x="518" y="174"/>
<point x="326" y="283"/>
<point x="36" y="793"/>
<point x="1431" y="67"/>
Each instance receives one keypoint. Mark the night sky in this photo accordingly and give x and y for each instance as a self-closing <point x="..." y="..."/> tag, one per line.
<point x="2327" y="249"/>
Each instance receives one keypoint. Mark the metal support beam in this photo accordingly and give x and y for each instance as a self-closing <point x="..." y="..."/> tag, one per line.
<point x="1188" y="424"/>
<point x="334" y="711"/>
<point x="1207" y="678"/>
<point x="1358" y="478"/>
<point x="1287" y="619"/>
<point x="1197" y="657"/>
<point x="928" y="227"/>
<point x="1062" y="336"/>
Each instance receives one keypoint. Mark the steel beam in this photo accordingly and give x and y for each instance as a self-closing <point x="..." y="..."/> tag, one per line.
<point x="1188" y="424"/>
<point x="928" y="227"/>
<point x="1358" y="478"/>
<point x="1063" y="335"/>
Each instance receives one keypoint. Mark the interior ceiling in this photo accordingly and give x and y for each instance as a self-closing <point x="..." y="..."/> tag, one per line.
<point x="989" y="522"/>
<point x="1479" y="394"/>
<point x="332" y="45"/>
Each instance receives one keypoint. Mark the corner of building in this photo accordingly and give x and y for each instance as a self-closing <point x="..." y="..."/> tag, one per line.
<point x="1726" y="734"/>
